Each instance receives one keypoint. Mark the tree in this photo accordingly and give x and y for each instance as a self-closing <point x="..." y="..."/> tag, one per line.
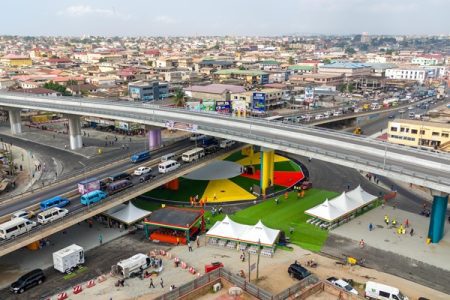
<point x="242" y="68"/>
<point x="72" y="82"/>
<point x="327" y="61"/>
<point x="102" y="60"/>
<point x="150" y="63"/>
<point x="350" y="51"/>
<point x="56" y="87"/>
<point x="389" y="51"/>
<point x="179" y="97"/>
<point x="291" y="60"/>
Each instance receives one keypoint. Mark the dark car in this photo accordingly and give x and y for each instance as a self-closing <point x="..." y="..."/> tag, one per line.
<point x="297" y="271"/>
<point x="146" y="177"/>
<point x="391" y="116"/>
<point x="306" y="185"/>
<point x="27" y="281"/>
<point x="211" y="149"/>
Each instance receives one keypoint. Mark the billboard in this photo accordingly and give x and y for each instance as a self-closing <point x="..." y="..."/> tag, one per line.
<point x="259" y="101"/>
<point x="172" y="125"/>
<point x="223" y="107"/>
<point x="203" y="105"/>
<point x="309" y="94"/>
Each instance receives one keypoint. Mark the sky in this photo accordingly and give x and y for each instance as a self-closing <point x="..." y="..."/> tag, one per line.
<point x="225" y="17"/>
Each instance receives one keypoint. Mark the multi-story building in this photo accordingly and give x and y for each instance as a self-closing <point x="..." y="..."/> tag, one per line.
<point x="267" y="99"/>
<point x="217" y="92"/>
<point x="348" y="69"/>
<point x="148" y="90"/>
<point x="14" y="60"/>
<point x="248" y="76"/>
<point x="415" y="74"/>
<point x="427" y="60"/>
<point x="420" y="134"/>
<point x="317" y="79"/>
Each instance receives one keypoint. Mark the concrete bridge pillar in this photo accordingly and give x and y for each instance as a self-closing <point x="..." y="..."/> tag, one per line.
<point x="154" y="137"/>
<point x="15" y="121"/>
<point x="76" y="141"/>
<point x="267" y="169"/>
<point x="437" y="219"/>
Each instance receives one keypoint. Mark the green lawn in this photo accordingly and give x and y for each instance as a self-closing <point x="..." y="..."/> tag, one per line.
<point x="246" y="183"/>
<point x="146" y="204"/>
<point x="186" y="189"/>
<point x="288" y="213"/>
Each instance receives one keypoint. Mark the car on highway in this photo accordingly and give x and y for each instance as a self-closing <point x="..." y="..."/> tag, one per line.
<point x="410" y="107"/>
<point x="22" y="214"/>
<point x="27" y="281"/>
<point x="342" y="284"/>
<point x="402" y="111"/>
<point x="319" y="117"/>
<point x="146" y="177"/>
<point x="142" y="170"/>
<point x="197" y="137"/>
<point x="391" y="116"/>
<point x="297" y="271"/>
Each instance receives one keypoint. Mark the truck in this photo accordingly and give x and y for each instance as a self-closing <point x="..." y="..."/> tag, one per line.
<point x="67" y="259"/>
<point x="133" y="265"/>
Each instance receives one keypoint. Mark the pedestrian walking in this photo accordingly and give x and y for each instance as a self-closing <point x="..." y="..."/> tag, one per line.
<point x="291" y="230"/>
<point x="189" y="246"/>
<point x="151" y="283"/>
<point x="362" y="243"/>
<point x="178" y="241"/>
<point x="198" y="241"/>
<point x="100" y="239"/>
<point x="370" y="226"/>
<point x="406" y="223"/>
<point x="286" y="195"/>
<point x="276" y="200"/>
<point x="348" y="186"/>
<point x="411" y="232"/>
<point x="162" y="283"/>
<point x="65" y="146"/>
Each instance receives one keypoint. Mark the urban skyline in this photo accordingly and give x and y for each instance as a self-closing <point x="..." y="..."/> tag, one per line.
<point x="235" y="18"/>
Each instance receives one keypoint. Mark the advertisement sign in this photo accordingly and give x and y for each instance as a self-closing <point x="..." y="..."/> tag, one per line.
<point x="172" y="125"/>
<point x="309" y="94"/>
<point x="223" y="107"/>
<point x="259" y="101"/>
<point x="135" y="92"/>
<point x="239" y="106"/>
<point x="88" y="185"/>
<point x="205" y="105"/>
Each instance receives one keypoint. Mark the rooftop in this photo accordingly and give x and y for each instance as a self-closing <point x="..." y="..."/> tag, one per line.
<point x="174" y="217"/>
<point x="345" y="65"/>
<point x="216" y="88"/>
<point x="304" y="68"/>
<point x="421" y="123"/>
<point x="241" y="72"/>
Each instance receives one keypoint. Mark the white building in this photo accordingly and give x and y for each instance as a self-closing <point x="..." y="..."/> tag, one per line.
<point x="424" y="61"/>
<point x="407" y="74"/>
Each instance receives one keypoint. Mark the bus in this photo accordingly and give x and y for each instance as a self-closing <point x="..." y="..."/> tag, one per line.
<point x="140" y="156"/>
<point x="57" y="201"/>
<point x="193" y="154"/>
<point x="118" y="186"/>
<point x="15" y="227"/>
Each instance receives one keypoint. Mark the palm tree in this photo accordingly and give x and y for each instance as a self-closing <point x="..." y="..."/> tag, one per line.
<point x="179" y="97"/>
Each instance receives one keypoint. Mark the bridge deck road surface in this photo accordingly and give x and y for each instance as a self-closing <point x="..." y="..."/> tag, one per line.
<point x="361" y="149"/>
<point x="70" y="185"/>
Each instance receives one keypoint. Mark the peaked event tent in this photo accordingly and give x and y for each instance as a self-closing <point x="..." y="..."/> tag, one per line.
<point x="230" y="230"/>
<point x="127" y="213"/>
<point x="342" y="205"/>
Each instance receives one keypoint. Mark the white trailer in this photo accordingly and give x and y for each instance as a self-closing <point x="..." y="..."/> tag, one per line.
<point x="134" y="264"/>
<point x="65" y="260"/>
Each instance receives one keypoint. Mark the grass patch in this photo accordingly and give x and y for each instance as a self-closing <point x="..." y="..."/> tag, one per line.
<point x="74" y="274"/>
<point x="235" y="156"/>
<point x="283" y="166"/>
<point x="146" y="204"/>
<point x="244" y="182"/>
<point x="288" y="213"/>
<point x="186" y="189"/>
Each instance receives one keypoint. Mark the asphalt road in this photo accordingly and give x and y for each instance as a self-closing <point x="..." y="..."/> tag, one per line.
<point x="69" y="185"/>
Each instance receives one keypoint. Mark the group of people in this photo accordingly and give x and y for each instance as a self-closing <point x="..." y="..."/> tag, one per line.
<point x="216" y="211"/>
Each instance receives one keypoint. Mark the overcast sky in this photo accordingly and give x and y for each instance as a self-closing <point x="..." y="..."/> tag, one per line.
<point x="223" y="17"/>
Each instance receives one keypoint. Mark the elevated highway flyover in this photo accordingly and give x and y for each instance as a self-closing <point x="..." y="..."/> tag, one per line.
<point x="421" y="167"/>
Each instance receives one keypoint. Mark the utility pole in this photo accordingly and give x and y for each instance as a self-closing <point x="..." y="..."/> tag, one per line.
<point x="248" y="266"/>
<point x="257" y="262"/>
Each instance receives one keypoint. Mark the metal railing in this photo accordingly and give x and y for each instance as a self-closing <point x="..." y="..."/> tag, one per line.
<point x="117" y="198"/>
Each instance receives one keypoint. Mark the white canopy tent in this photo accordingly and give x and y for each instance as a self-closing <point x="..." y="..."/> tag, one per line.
<point x="127" y="213"/>
<point x="230" y="230"/>
<point x="342" y="205"/>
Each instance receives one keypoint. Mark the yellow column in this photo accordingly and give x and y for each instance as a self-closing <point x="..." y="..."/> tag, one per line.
<point x="267" y="167"/>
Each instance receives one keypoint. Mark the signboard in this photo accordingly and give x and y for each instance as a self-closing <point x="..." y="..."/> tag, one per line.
<point x="309" y="94"/>
<point x="172" y="125"/>
<point x="252" y="266"/>
<point x="239" y="107"/>
<point x="223" y="107"/>
<point x="259" y="101"/>
<point x="88" y="185"/>
<point x="135" y="92"/>
<point x="206" y="105"/>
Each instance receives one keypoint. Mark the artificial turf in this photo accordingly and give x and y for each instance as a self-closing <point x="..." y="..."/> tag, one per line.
<point x="235" y="156"/>
<point x="282" y="166"/>
<point x="146" y="204"/>
<point x="288" y="213"/>
<point x="187" y="188"/>
<point x="246" y="183"/>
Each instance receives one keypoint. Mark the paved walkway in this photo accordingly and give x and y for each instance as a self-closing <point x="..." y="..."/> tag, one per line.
<point x="218" y="169"/>
<point x="386" y="238"/>
<point x="21" y="261"/>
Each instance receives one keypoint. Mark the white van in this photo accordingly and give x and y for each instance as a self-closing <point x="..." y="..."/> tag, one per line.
<point x="168" y="166"/>
<point x="169" y="156"/>
<point x="412" y="115"/>
<point x="376" y="290"/>
<point x="51" y="215"/>
<point x="134" y="264"/>
<point x="193" y="154"/>
<point x="15" y="227"/>
<point x="226" y="143"/>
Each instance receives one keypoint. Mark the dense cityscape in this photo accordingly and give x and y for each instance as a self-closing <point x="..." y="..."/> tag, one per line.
<point x="253" y="166"/>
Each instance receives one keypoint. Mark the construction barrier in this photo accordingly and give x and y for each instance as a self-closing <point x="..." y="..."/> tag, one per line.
<point x="77" y="289"/>
<point x="162" y="252"/>
<point x="91" y="283"/>
<point x="198" y="274"/>
<point x="169" y="255"/>
<point x="101" y="278"/>
<point x="192" y="270"/>
<point x="183" y="265"/>
<point x="62" y="296"/>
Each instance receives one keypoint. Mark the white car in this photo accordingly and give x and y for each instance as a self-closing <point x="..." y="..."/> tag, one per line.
<point x="410" y="107"/>
<point x="21" y="214"/>
<point x="197" y="137"/>
<point x="142" y="170"/>
<point x="343" y="285"/>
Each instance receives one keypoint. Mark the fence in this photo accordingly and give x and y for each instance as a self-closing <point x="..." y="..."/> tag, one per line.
<point x="296" y="288"/>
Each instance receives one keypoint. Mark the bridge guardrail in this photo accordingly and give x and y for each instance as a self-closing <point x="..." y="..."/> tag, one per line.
<point x="136" y="187"/>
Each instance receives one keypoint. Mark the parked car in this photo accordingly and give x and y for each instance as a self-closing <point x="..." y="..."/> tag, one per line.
<point x="296" y="271"/>
<point x="342" y="284"/>
<point x="22" y="214"/>
<point x="146" y="177"/>
<point x="375" y="290"/>
<point x="27" y="281"/>
<point x="142" y="170"/>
